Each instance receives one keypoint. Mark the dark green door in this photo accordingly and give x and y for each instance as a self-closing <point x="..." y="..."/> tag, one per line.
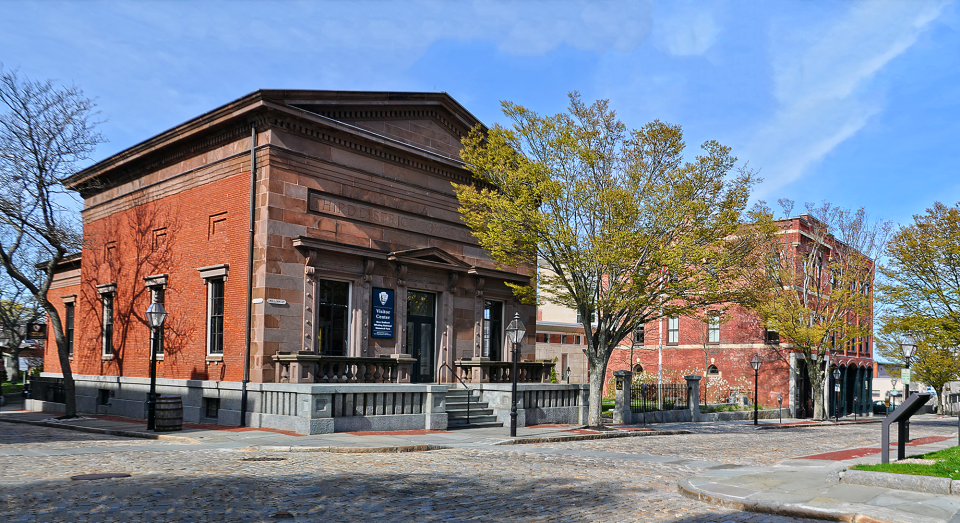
<point x="421" y="337"/>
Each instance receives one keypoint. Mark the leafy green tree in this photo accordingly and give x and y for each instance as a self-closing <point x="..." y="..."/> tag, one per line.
<point x="821" y="296"/>
<point x="921" y="279"/>
<point x="46" y="131"/>
<point x="624" y="229"/>
<point x="934" y="364"/>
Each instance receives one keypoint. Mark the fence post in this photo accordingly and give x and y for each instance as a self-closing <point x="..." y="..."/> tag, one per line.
<point x="693" y="396"/>
<point x="621" y="410"/>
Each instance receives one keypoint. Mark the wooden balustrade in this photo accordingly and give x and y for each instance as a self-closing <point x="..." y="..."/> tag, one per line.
<point x="308" y="367"/>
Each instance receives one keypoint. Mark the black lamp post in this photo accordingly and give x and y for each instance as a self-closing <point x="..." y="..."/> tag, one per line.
<point x="907" y="346"/>
<point x="836" y="397"/>
<point x="755" y="363"/>
<point x="515" y="333"/>
<point x="155" y="315"/>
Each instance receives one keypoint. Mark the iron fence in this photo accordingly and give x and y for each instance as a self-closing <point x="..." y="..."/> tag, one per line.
<point x="48" y="389"/>
<point x="647" y="397"/>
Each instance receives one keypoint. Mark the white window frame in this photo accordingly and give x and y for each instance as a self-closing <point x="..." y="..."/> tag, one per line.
<point x="107" y="290"/>
<point x="210" y="274"/>
<point x="673" y="330"/>
<point x="713" y="328"/>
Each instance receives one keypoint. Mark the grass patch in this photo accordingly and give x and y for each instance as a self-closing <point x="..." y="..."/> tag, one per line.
<point x="947" y="466"/>
<point x="12" y="387"/>
<point x="607" y="405"/>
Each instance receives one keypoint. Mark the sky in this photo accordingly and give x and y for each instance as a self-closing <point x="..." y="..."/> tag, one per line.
<point x="855" y="103"/>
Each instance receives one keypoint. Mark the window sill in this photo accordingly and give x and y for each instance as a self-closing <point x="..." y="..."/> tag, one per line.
<point x="214" y="358"/>
<point x="106" y="357"/>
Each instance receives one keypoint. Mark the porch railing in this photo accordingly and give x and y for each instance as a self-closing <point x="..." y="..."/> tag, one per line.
<point x="48" y="389"/>
<point x="482" y="370"/>
<point x="309" y="367"/>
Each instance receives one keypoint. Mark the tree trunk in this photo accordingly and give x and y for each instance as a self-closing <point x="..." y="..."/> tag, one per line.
<point x="598" y="369"/>
<point x="70" y="399"/>
<point x="816" y="390"/>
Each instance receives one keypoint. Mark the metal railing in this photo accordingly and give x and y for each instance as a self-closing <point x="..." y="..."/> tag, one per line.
<point x="648" y="397"/>
<point x="469" y="392"/>
<point x="48" y="389"/>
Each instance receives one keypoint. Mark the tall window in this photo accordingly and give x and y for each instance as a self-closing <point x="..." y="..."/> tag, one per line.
<point x="107" y="334"/>
<point x="333" y="307"/>
<point x="673" y="330"/>
<point x="492" y="329"/>
<point x="713" y="328"/>
<point x="157" y="296"/>
<point x="215" y="315"/>
<point x="69" y="334"/>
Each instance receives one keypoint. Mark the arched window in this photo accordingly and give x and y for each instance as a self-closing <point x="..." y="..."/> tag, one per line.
<point x="712" y="370"/>
<point x="637" y="369"/>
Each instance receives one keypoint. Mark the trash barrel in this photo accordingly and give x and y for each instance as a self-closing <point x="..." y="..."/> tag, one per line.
<point x="169" y="414"/>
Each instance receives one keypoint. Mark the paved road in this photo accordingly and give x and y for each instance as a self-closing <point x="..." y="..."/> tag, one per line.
<point x="631" y="479"/>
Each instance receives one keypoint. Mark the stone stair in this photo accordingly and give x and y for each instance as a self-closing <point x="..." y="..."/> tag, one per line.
<point x="480" y="413"/>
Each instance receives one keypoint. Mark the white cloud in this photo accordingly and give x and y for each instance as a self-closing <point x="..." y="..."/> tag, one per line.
<point x="823" y="76"/>
<point x="686" y="30"/>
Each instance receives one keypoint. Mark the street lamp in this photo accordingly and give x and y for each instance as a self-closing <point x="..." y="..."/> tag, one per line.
<point x="893" y="396"/>
<point x="155" y="316"/>
<point x="755" y="363"/>
<point x="836" y="397"/>
<point x="907" y="346"/>
<point x="515" y="333"/>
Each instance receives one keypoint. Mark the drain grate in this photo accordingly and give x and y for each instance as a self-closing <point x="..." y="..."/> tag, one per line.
<point x="88" y="477"/>
<point x="263" y="459"/>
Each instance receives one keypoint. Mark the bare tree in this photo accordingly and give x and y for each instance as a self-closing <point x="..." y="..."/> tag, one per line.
<point x="46" y="130"/>
<point x="17" y="310"/>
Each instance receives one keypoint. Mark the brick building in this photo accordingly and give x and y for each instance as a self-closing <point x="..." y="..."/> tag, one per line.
<point x="360" y="269"/>
<point x="721" y="350"/>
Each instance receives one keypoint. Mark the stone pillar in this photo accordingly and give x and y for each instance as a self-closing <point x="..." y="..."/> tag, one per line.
<point x="621" y="411"/>
<point x="436" y="415"/>
<point x="693" y="396"/>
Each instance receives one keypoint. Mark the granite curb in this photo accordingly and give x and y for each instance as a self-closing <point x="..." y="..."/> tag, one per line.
<point x="587" y="437"/>
<point x="345" y="450"/>
<point x="98" y="430"/>
<point x="687" y="490"/>
<point x="927" y="484"/>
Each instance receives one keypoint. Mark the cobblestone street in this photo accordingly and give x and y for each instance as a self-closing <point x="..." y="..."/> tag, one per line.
<point x="597" y="480"/>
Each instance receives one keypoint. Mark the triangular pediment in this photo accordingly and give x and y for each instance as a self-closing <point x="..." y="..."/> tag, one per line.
<point x="428" y="121"/>
<point x="430" y="256"/>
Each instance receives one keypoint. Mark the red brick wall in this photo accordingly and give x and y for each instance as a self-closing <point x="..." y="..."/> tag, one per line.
<point x="205" y="225"/>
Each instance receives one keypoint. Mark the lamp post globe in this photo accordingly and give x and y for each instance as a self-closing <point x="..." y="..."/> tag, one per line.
<point x="156" y="315"/>
<point x="515" y="333"/>
<point x="755" y="363"/>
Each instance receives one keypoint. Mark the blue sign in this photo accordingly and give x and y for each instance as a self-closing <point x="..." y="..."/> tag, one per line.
<point x="382" y="324"/>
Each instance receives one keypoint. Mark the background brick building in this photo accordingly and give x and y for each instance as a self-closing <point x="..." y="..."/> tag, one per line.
<point x="721" y="351"/>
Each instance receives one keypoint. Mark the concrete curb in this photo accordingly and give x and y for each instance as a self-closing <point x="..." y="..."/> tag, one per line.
<point x="98" y="430"/>
<point x="927" y="484"/>
<point x="587" y="437"/>
<point x="819" y="425"/>
<point x="346" y="450"/>
<point x="773" y="507"/>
